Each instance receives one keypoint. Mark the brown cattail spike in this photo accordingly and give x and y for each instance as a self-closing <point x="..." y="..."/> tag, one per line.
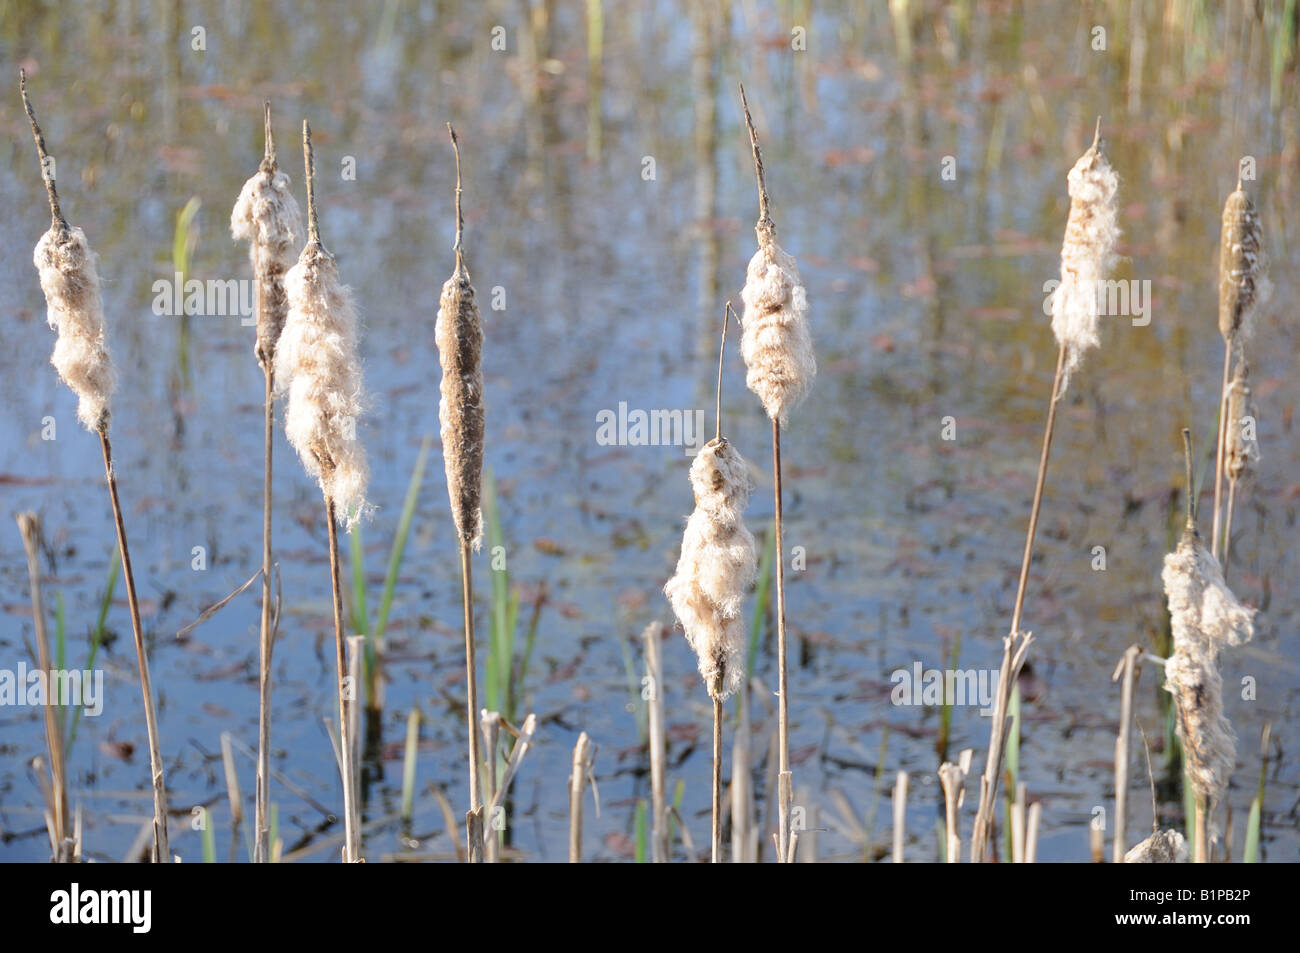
<point x="458" y="334"/>
<point x="1239" y="265"/>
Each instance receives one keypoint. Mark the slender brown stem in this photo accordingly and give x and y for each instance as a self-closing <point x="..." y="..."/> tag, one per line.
<point x="765" y="224"/>
<point x="722" y="351"/>
<point x="47" y="174"/>
<point x="474" y="844"/>
<point x="269" y="155"/>
<point x="1128" y="669"/>
<point x="29" y="529"/>
<point x="717" y="779"/>
<point x="1218" y="454"/>
<point x="261" y="816"/>
<point x="785" y="781"/>
<point x="460" y="219"/>
<point x="162" y="849"/>
<point x="309" y="163"/>
<point x="1016" y="644"/>
<point x="1201" y="849"/>
<point x="1227" y="524"/>
<point x="351" y="838"/>
<point x="1048" y="430"/>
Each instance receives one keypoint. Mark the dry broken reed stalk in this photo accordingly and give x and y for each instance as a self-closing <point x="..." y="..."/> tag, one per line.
<point x="1087" y="256"/>
<point x="459" y="337"/>
<point x="780" y="367"/>
<point x="1205" y="617"/>
<point x="1241" y="446"/>
<point x="716" y="567"/>
<point x="267" y="217"/>
<point x="70" y="281"/>
<point x="1128" y="670"/>
<point x="952" y="777"/>
<point x="659" y="845"/>
<point x="900" y="816"/>
<point x="317" y="366"/>
<point x="1240" y="267"/>
<point x="584" y="753"/>
<point x="29" y="529"/>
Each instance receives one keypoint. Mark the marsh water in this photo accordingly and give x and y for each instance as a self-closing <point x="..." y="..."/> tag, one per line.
<point x="917" y="172"/>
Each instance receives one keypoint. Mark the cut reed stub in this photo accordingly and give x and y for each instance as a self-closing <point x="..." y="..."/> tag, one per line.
<point x="716" y="567"/>
<point x="70" y="280"/>
<point x="1240" y="265"/>
<point x="459" y="337"/>
<point x="1162" y="847"/>
<point x="316" y="364"/>
<point x="1240" y="444"/>
<point x="1205" y="617"/>
<point x="266" y="216"/>
<point x="776" y="343"/>
<point x="1087" y="256"/>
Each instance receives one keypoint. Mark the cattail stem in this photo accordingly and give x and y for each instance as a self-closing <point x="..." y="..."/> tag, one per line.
<point x="1128" y="669"/>
<point x="51" y="191"/>
<point x="351" y="837"/>
<point x="659" y="844"/>
<point x="582" y="757"/>
<point x="785" y="779"/>
<point x="900" y="816"/>
<point x="765" y="222"/>
<point x="1201" y="849"/>
<point x="162" y="849"/>
<point x="1218" y="456"/>
<point x="1227" y="523"/>
<point x="29" y="529"/>
<point x="474" y="818"/>
<point x="717" y="777"/>
<point x="261" y="813"/>
<point x="1010" y="667"/>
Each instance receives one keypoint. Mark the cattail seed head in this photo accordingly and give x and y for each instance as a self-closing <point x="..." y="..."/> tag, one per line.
<point x="1241" y="446"/>
<point x="1240" y="265"/>
<point x="316" y="364"/>
<point x="267" y="217"/>
<point x="459" y="336"/>
<point x="776" y="343"/>
<point x="1162" y="847"/>
<point x="716" y="567"/>
<point x="1205" y="616"/>
<point x="1087" y="256"/>
<point x="66" y="265"/>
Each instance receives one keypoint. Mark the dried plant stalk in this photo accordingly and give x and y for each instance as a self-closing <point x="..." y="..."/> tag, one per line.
<point x="1087" y="255"/>
<point x="316" y="364"/>
<point x="266" y="216"/>
<point x="1205" y="617"/>
<point x="1240" y="280"/>
<point x="1240" y="446"/>
<point x="584" y="753"/>
<point x="1128" y="669"/>
<point x="73" y="295"/>
<point x="459" y="337"/>
<point x="780" y="367"/>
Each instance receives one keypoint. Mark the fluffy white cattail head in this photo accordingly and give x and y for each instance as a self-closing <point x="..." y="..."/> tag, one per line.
<point x="1162" y="847"/>
<point x="776" y="344"/>
<point x="316" y="364"/>
<point x="267" y="217"/>
<point x="1205" y="616"/>
<point x="1087" y="256"/>
<point x="716" y="567"/>
<point x="1240" y="265"/>
<point x="70" y="281"/>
